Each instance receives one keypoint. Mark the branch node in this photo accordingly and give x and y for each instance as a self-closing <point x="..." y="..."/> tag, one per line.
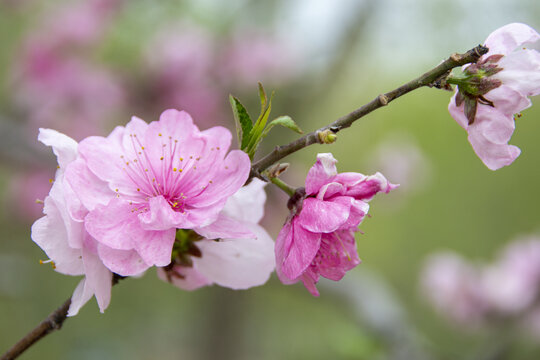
<point x="455" y="57"/>
<point x="383" y="100"/>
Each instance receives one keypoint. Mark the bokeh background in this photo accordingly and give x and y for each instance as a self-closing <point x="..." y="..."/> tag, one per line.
<point x="83" y="67"/>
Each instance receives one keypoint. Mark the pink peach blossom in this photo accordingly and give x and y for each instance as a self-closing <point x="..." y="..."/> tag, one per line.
<point x="511" y="75"/>
<point x="144" y="181"/>
<point x="234" y="263"/>
<point x="63" y="238"/>
<point x="318" y="239"/>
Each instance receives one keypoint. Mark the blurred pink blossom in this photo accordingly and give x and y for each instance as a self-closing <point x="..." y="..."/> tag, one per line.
<point x="318" y="238"/>
<point x="27" y="187"/>
<point x="513" y="74"/>
<point x="507" y="288"/>
<point x="451" y="285"/>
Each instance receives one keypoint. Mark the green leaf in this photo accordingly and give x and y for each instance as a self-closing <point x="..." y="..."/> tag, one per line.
<point x="285" y="121"/>
<point x="257" y="130"/>
<point x="264" y="99"/>
<point x="244" y="125"/>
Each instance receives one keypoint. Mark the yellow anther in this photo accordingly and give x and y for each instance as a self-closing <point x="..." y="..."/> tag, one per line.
<point x="38" y="201"/>
<point x="181" y="159"/>
<point x="174" y="169"/>
<point x="159" y="134"/>
<point x="51" y="181"/>
<point x="161" y="158"/>
<point x="138" y="189"/>
<point x="180" y="170"/>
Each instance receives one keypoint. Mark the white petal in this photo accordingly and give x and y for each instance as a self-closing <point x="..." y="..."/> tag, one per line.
<point x="247" y="204"/>
<point x="64" y="147"/>
<point x="237" y="263"/>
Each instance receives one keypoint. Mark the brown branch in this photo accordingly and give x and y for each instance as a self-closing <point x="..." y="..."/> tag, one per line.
<point x="53" y="322"/>
<point x="430" y="78"/>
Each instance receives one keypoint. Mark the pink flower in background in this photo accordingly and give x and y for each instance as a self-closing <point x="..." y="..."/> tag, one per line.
<point x="451" y="285"/>
<point x="144" y="181"/>
<point x="495" y="89"/>
<point x="512" y="283"/>
<point x="318" y="239"/>
<point x="234" y="263"/>
<point x="63" y="238"/>
<point x="480" y="296"/>
<point x="252" y="57"/>
<point x="181" y="62"/>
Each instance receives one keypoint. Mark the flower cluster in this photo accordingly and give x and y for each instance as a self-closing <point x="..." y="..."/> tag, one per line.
<point x="480" y="295"/>
<point x="491" y="91"/>
<point x="318" y="238"/>
<point x="117" y="203"/>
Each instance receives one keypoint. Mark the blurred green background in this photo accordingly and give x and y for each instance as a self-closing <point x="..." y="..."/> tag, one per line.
<point x="326" y="59"/>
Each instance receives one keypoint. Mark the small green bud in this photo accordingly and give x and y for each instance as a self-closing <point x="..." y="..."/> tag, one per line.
<point x="327" y="136"/>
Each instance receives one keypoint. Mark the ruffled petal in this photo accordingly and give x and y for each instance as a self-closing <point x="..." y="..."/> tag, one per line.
<point x="155" y="247"/>
<point x="295" y="250"/>
<point x="321" y="172"/>
<point x="323" y="216"/>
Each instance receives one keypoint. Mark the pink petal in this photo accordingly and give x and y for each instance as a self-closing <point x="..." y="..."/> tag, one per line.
<point x="113" y="224"/>
<point x="155" y="247"/>
<point x="506" y="39"/>
<point x="122" y="262"/>
<point x="103" y="158"/>
<point x="238" y="263"/>
<point x="323" y="216"/>
<point x="309" y="278"/>
<point x="88" y="188"/>
<point x="369" y="187"/>
<point x="226" y="228"/>
<point x="295" y="250"/>
<point x="230" y="177"/>
<point x="320" y="173"/>
<point x="162" y="217"/>
<point x="64" y="147"/>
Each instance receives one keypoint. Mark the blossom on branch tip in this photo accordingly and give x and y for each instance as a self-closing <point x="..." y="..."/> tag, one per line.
<point x="490" y="92"/>
<point x="62" y="236"/>
<point x="318" y="237"/>
<point x="144" y="181"/>
<point x="233" y="262"/>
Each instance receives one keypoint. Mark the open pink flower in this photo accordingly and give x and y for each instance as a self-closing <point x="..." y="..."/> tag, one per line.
<point x="63" y="238"/>
<point x="501" y="82"/>
<point x="144" y="181"/>
<point x="318" y="240"/>
<point x="234" y="263"/>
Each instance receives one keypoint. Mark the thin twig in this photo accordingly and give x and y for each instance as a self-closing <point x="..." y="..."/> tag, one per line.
<point x="53" y="322"/>
<point x="427" y="79"/>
